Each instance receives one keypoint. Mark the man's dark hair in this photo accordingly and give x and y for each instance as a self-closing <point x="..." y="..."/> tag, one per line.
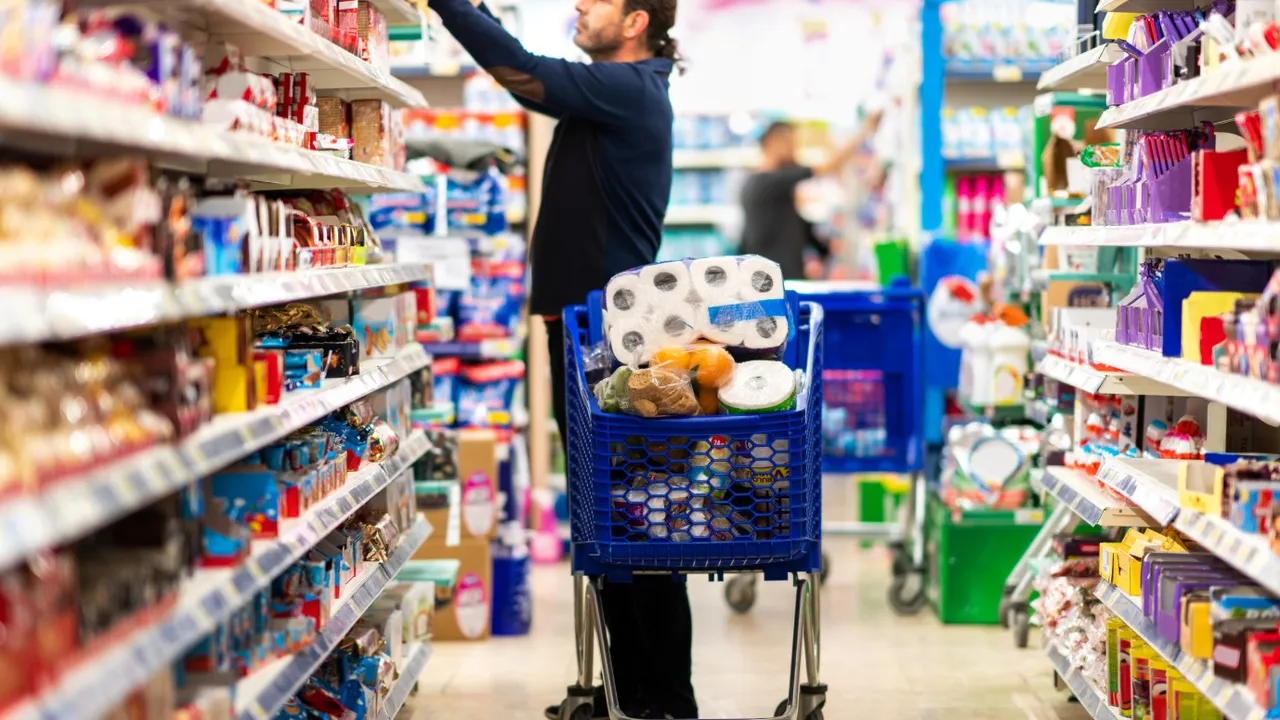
<point x="662" y="16"/>
<point x="775" y="128"/>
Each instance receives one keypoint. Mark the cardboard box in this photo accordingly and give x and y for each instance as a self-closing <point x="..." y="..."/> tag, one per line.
<point x="463" y="611"/>
<point x="371" y="132"/>
<point x="478" y="480"/>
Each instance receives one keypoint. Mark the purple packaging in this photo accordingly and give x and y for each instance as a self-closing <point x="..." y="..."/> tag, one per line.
<point x="1154" y="564"/>
<point x="1173" y="586"/>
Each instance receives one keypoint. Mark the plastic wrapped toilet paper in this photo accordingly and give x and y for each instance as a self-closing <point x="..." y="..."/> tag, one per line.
<point x="759" y="386"/>
<point x="736" y="301"/>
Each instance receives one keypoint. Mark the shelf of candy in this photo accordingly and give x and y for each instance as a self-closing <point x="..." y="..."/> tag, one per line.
<point x="187" y="101"/>
<point x="1179" y="61"/>
<point x="1072" y="621"/>
<point x="978" y="37"/>
<point x="222" y="541"/>
<point x="1203" y="326"/>
<point x="1190" y="610"/>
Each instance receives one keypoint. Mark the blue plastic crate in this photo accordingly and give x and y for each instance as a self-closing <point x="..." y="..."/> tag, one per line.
<point x="695" y="494"/>
<point x="872" y="377"/>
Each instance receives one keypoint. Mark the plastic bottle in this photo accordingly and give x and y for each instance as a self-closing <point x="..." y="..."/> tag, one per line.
<point x="1010" y="349"/>
<point x="975" y="362"/>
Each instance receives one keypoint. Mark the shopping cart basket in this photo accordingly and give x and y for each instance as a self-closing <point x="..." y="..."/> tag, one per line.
<point x="873" y="396"/>
<point x="709" y="495"/>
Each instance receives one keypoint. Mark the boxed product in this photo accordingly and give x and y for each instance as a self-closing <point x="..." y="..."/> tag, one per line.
<point x="462" y="613"/>
<point x="376" y="322"/>
<point x="371" y="131"/>
<point x="478" y="481"/>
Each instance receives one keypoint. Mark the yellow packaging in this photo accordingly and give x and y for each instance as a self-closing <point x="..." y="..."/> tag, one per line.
<point x="1115" y="26"/>
<point x="1200" y="487"/>
<point x="1196" y="635"/>
<point x="1200" y="305"/>
<point x="1114" y="627"/>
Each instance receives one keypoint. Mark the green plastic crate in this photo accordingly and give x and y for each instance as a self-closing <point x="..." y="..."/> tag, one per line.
<point x="970" y="556"/>
<point x="879" y="499"/>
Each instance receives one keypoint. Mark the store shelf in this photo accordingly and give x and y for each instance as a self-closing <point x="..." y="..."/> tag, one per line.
<point x="697" y="214"/>
<point x="1233" y="700"/>
<point x="210" y="597"/>
<point x="1086" y="71"/>
<point x="1234" y="85"/>
<point x="415" y="662"/>
<point x="1247" y="395"/>
<point x="1091" y="698"/>
<point x="500" y="349"/>
<point x="743" y="157"/>
<point x="1244" y="235"/>
<point x="75" y="507"/>
<point x="1015" y="160"/>
<point x="1081" y="492"/>
<point x="399" y="12"/>
<point x="1151" y="484"/>
<point x="1249" y="553"/>
<point x="34" y="113"/>
<point x="261" y="695"/>
<point x="1092" y="380"/>
<point x="991" y="72"/>
<point x="45" y="315"/>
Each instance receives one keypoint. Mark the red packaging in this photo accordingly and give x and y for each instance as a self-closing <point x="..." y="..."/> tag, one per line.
<point x="272" y="361"/>
<point x="1215" y="181"/>
<point x="17" y="656"/>
<point x="57" y="636"/>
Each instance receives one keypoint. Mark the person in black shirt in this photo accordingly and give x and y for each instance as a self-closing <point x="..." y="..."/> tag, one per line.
<point x="604" y="198"/>
<point x="772" y="226"/>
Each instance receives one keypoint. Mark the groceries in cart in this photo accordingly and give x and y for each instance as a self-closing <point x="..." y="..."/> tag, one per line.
<point x="675" y="329"/>
<point x="986" y="468"/>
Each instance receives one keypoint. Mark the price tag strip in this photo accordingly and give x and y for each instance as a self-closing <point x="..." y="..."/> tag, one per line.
<point x="1248" y="553"/>
<point x="415" y="662"/>
<point x="1232" y="699"/>
<point x="1090" y="697"/>
<point x="1081" y="493"/>
<point x="261" y="695"/>
<point x="1150" y="484"/>
<point x="211" y="596"/>
<point x="74" y="507"/>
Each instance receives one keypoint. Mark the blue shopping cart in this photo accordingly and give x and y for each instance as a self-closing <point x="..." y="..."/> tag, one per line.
<point x="873" y="407"/>
<point x="709" y="495"/>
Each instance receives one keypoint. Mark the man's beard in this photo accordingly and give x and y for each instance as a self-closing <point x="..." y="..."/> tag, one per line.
<point x="599" y="44"/>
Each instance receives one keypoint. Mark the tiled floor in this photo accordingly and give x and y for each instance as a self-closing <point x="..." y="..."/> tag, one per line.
<point x="877" y="665"/>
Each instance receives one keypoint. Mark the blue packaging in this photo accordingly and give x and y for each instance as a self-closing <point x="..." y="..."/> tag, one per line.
<point x="477" y="204"/>
<point x="413" y="212"/>
<point x="485" y="393"/>
<point x="512" y="606"/>
<point x="491" y="308"/>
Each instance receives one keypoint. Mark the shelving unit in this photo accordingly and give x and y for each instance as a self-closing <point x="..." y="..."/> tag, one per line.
<point x="1250" y="554"/>
<point x="1086" y="70"/>
<point x="261" y="695"/>
<point x="76" y="506"/>
<point x="1093" y="380"/>
<point x="210" y="596"/>
<point x="51" y="314"/>
<point x="1091" y="698"/>
<point x="1151" y="484"/>
<point x="1234" y="700"/>
<point x="416" y="661"/>
<point x="1081" y="492"/>
<point x="1244" y="236"/>
<point x="1214" y="96"/>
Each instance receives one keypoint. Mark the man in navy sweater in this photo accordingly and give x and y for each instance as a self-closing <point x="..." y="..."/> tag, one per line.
<point x="604" y="197"/>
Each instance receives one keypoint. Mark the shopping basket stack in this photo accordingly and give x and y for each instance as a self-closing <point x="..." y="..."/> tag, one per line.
<point x="717" y="494"/>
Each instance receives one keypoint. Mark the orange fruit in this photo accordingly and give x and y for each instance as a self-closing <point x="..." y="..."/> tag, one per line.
<point x="712" y="365"/>
<point x="708" y="401"/>
<point x="673" y="358"/>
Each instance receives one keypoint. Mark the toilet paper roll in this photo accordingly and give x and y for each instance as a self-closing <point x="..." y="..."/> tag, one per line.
<point x="666" y="282"/>
<point x="761" y="279"/>
<point x="714" y="276"/>
<point x="624" y="297"/>
<point x="765" y="333"/>
<point x="634" y="340"/>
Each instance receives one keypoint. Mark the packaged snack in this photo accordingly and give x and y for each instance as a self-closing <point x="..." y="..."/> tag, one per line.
<point x="492" y="307"/>
<point x="656" y="392"/>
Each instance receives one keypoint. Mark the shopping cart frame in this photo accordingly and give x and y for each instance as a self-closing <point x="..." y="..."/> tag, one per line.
<point x="597" y="559"/>
<point x="905" y="535"/>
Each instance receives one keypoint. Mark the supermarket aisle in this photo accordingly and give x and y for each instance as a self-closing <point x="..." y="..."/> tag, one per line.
<point x="904" y="668"/>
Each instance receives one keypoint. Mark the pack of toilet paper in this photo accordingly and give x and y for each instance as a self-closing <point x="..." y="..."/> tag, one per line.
<point x="736" y="301"/>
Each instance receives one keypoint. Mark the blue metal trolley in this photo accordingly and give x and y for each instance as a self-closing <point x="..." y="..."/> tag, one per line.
<point x="705" y="495"/>
<point x="873" y="408"/>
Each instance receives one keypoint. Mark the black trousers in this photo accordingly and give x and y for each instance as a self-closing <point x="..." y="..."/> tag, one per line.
<point x="650" y="625"/>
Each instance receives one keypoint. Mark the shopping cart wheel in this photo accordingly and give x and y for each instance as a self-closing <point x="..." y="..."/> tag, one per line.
<point x="740" y="593"/>
<point x="826" y="567"/>
<point x="903" y="600"/>
<point x="1006" y="605"/>
<point x="814" y="714"/>
<point x="901" y="559"/>
<point x="1020" y="621"/>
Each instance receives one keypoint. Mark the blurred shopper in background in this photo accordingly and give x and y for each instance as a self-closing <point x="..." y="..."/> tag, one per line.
<point x="772" y="224"/>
